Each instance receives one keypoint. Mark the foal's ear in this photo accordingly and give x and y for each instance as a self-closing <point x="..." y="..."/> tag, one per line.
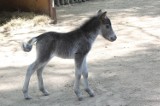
<point x="103" y="15"/>
<point x="99" y="12"/>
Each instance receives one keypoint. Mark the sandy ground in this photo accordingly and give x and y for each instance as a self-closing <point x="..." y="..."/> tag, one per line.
<point x="122" y="73"/>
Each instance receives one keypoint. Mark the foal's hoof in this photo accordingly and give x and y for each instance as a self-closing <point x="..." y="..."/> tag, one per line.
<point x="80" y="98"/>
<point x="90" y="92"/>
<point x="79" y="95"/>
<point x="92" y="95"/>
<point x="46" y="94"/>
<point x="28" y="98"/>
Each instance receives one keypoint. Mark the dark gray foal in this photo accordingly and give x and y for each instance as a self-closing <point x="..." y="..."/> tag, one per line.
<point x="74" y="45"/>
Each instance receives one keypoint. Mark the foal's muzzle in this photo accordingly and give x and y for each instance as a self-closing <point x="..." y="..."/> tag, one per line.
<point x="113" y="38"/>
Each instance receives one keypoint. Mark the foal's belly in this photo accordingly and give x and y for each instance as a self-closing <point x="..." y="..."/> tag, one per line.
<point x="65" y="53"/>
<point x="65" y="49"/>
<point x="65" y="56"/>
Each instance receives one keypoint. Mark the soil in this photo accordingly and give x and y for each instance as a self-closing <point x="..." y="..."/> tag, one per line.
<point x="121" y="73"/>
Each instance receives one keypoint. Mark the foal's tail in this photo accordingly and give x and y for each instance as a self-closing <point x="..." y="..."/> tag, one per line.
<point x="27" y="47"/>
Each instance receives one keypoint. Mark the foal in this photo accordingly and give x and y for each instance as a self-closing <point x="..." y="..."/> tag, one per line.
<point x="74" y="45"/>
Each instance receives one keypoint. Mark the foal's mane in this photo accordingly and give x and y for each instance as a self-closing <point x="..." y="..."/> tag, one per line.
<point x="90" y="25"/>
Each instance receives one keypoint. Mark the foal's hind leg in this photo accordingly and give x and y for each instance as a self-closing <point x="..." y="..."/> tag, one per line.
<point x="31" y="69"/>
<point x="40" y="81"/>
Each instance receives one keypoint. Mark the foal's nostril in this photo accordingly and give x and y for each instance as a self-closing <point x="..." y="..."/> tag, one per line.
<point x="113" y="38"/>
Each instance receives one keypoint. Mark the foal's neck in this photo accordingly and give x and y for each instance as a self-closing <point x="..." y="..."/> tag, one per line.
<point x="91" y="28"/>
<point x="91" y="36"/>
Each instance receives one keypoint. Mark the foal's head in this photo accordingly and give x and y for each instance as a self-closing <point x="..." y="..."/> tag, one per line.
<point x="106" y="26"/>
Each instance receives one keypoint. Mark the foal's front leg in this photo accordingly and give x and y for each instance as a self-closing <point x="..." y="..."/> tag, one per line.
<point x="85" y="77"/>
<point x="81" y="68"/>
<point x="78" y="71"/>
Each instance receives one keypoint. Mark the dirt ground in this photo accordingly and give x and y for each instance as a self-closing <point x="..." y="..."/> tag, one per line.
<point x="122" y="73"/>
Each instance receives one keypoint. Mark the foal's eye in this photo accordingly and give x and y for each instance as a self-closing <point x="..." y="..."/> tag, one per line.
<point x="107" y="26"/>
